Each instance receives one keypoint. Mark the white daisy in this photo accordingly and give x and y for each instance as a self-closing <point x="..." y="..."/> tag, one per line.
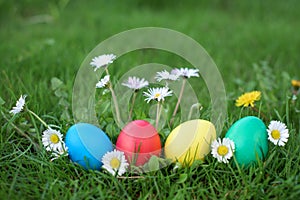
<point x="157" y="94"/>
<point x="102" y="61"/>
<point x="186" y="72"/>
<point x="165" y="75"/>
<point x="52" y="140"/>
<point x="135" y="83"/>
<point x="61" y="151"/>
<point x="223" y="151"/>
<point x="19" y="105"/>
<point x="115" y="162"/>
<point x="278" y="133"/>
<point x="103" y="82"/>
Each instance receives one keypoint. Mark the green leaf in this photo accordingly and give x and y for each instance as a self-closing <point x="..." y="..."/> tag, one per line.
<point x="164" y="161"/>
<point x="177" y="166"/>
<point x="2" y="102"/>
<point x="56" y="83"/>
<point x="110" y="130"/>
<point x="65" y="115"/>
<point x="64" y="102"/>
<point x="61" y="94"/>
<point x="182" y="178"/>
<point x="153" y="163"/>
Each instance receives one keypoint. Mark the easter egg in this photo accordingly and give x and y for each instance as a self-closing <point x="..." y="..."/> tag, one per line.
<point x="139" y="140"/>
<point x="250" y="137"/>
<point x="190" y="141"/>
<point x="87" y="144"/>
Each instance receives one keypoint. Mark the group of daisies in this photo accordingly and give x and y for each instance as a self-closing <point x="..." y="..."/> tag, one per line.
<point x="222" y="149"/>
<point x="115" y="162"/>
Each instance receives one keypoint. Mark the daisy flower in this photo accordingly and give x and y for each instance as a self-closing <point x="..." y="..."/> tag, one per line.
<point x="278" y="133"/>
<point x="102" y="61"/>
<point x="135" y="83"/>
<point x="157" y="94"/>
<point x="115" y="162"/>
<point x="103" y="82"/>
<point x="222" y="150"/>
<point x="52" y="140"/>
<point x="19" y="105"/>
<point x="165" y="75"/>
<point x="248" y="99"/>
<point x="61" y="151"/>
<point x="186" y="72"/>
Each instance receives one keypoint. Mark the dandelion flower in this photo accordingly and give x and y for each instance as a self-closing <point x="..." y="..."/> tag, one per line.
<point x="135" y="83"/>
<point x="186" y="72"/>
<point x="157" y="94"/>
<point x="115" y="162"/>
<point x="19" y="105"/>
<point x="278" y="133"/>
<point x="102" y="61"/>
<point x="295" y="83"/>
<point x="248" y="99"/>
<point x="52" y="140"/>
<point x="103" y="82"/>
<point x="222" y="150"/>
<point x="165" y="75"/>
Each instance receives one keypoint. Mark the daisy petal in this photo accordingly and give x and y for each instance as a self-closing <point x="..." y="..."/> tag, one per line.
<point x="222" y="150"/>
<point x="102" y="61"/>
<point x="135" y="83"/>
<point x="19" y="105"/>
<point x="278" y="133"/>
<point x="115" y="162"/>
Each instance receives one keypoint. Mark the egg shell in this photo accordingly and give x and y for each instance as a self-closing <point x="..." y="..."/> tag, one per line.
<point x="190" y="141"/>
<point x="87" y="144"/>
<point x="250" y="137"/>
<point x="139" y="140"/>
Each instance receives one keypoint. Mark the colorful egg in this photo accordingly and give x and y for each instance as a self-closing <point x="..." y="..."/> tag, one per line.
<point x="139" y="140"/>
<point x="250" y="137"/>
<point x="190" y="141"/>
<point x="87" y="144"/>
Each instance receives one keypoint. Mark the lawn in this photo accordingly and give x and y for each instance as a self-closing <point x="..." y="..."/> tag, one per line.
<point x="254" y="44"/>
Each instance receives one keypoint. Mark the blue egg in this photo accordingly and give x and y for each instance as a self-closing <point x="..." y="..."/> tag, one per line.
<point x="87" y="144"/>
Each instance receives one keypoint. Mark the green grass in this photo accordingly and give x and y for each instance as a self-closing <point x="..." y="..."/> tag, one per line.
<point x="235" y="34"/>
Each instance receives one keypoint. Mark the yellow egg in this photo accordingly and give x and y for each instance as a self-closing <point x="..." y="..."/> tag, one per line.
<point x="190" y="141"/>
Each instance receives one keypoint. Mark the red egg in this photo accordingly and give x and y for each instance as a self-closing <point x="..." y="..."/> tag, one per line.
<point x="139" y="140"/>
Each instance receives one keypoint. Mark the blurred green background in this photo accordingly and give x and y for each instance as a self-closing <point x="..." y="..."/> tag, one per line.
<point x="255" y="45"/>
<point x="43" y="39"/>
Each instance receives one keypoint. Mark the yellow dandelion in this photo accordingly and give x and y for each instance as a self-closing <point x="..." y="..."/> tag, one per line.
<point x="248" y="99"/>
<point x="295" y="83"/>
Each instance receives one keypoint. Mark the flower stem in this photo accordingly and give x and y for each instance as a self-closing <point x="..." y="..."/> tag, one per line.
<point x="115" y="103"/>
<point x="193" y="107"/>
<point x="260" y="113"/>
<point x="36" y="116"/>
<point x="178" y="101"/>
<point x="157" y="115"/>
<point x="114" y="98"/>
<point x="132" y="104"/>
<point x="36" y="146"/>
<point x="106" y="70"/>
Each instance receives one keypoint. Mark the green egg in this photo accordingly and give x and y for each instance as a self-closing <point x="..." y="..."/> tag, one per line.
<point x="250" y="137"/>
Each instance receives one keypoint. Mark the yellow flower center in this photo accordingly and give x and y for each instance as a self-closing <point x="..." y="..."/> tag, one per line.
<point x="115" y="163"/>
<point x="54" y="138"/>
<point x="157" y="95"/>
<point x="275" y="134"/>
<point x="222" y="150"/>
